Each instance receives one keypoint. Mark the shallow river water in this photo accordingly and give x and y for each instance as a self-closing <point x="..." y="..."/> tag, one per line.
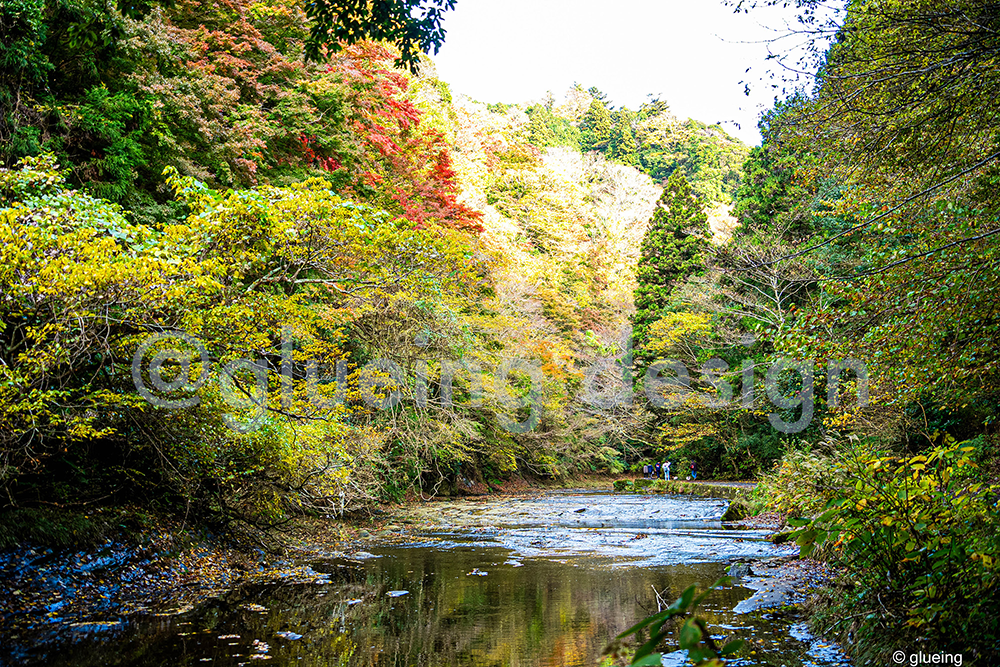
<point x="541" y="582"/>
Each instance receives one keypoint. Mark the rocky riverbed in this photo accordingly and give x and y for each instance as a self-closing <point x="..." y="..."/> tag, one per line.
<point x="538" y="580"/>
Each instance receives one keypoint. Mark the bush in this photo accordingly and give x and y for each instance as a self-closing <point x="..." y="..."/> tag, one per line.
<point x="756" y="452"/>
<point x="803" y="483"/>
<point x="920" y="538"/>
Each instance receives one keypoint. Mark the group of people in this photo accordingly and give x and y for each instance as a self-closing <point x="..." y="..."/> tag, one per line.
<point x="654" y="470"/>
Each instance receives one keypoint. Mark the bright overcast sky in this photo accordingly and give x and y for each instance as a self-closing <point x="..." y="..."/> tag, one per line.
<point x="692" y="53"/>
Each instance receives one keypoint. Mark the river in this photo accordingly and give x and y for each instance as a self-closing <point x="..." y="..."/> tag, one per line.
<point x="531" y="582"/>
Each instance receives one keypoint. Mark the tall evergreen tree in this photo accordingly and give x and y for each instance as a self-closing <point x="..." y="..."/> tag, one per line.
<point x="622" y="146"/>
<point x="598" y="95"/>
<point x="540" y="121"/>
<point x="672" y="249"/>
<point x="595" y="128"/>
<point x="770" y="195"/>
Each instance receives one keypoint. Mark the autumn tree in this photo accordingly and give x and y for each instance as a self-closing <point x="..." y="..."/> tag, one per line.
<point x="902" y="119"/>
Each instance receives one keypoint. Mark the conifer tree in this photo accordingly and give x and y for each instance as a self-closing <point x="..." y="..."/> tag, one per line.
<point x="622" y="146"/>
<point x="539" y="127"/>
<point x="672" y="249"/>
<point x="596" y="128"/>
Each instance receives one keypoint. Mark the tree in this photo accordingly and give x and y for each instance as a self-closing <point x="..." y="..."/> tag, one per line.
<point x="770" y="194"/>
<point x="672" y="248"/>
<point x="622" y="146"/>
<point x="84" y="288"/>
<point x="595" y="129"/>
<point x="546" y="129"/>
<point x="413" y="26"/>
<point x="903" y="117"/>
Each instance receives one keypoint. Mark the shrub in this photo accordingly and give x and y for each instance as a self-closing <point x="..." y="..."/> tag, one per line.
<point x="920" y="538"/>
<point x="803" y="483"/>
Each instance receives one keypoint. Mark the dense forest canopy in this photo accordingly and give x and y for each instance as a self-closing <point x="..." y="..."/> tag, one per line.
<point x="327" y="233"/>
<point x="256" y="264"/>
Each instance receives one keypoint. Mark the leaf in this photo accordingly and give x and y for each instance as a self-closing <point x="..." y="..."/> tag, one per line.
<point x="647" y="648"/>
<point x="732" y="647"/>
<point x="699" y="654"/>
<point x="690" y="634"/>
<point x="827" y="515"/>
<point x="684" y="601"/>
<point x="806" y="537"/>
<point x="658" y="617"/>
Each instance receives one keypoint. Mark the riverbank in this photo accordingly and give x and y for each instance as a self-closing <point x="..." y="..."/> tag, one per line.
<point x="60" y="595"/>
<point x="704" y="488"/>
<point x="55" y="594"/>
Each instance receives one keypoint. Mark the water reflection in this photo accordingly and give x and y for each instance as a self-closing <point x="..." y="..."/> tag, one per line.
<point x="554" y="606"/>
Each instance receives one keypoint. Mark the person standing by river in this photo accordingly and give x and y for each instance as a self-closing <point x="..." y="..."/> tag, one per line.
<point x="694" y="471"/>
<point x="666" y="471"/>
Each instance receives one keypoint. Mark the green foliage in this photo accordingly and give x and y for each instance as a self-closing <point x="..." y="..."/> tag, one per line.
<point x="546" y="129"/>
<point x="117" y="126"/>
<point x="622" y="146"/>
<point x="692" y="635"/>
<point x="24" y="27"/>
<point x="659" y="144"/>
<point x="85" y="287"/>
<point x="805" y="480"/>
<point x="672" y="249"/>
<point x="755" y="452"/>
<point x="595" y="128"/>
<point x="768" y="195"/>
<point x="894" y="139"/>
<point x="220" y="92"/>
<point x="413" y="26"/>
<point x="920" y="534"/>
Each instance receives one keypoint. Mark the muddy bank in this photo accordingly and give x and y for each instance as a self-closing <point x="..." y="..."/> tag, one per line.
<point x="52" y="595"/>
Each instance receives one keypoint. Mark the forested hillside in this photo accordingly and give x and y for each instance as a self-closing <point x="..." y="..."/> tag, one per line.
<point x="246" y="285"/>
<point x="255" y="266"/>
<point x="864" y="258"/>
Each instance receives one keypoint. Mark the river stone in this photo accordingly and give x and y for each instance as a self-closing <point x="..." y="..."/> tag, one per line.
<point x="739" y="570"/>
<point x="736" y="511"/>
<point x="781" y="538"/>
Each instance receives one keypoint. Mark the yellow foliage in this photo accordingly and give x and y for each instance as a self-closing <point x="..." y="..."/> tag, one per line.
<point x="675" y="334"/>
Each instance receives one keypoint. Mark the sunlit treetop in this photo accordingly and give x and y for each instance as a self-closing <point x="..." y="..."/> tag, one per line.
<point x="413" y="26"/>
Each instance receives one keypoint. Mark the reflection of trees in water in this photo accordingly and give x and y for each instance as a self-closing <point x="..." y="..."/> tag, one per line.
<point x="544" y="613"/>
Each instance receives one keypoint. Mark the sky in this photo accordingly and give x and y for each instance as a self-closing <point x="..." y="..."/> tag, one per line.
<point x="694" y="54"/>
